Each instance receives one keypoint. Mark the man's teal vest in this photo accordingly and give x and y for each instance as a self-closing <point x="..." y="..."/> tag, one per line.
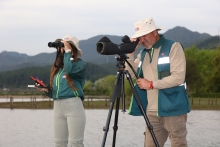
<point x="171" y="101"/>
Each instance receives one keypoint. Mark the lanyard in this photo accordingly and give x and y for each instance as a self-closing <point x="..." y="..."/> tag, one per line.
<point x="151" y="53"/>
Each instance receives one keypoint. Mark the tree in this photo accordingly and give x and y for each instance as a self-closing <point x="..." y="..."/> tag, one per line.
<point x="215" y="77"/>
<point x="192" y="75"/>
<point x="105" y="85"/>
<point x="88" y="88"/>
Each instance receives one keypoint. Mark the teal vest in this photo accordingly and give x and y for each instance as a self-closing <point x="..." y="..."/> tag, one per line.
<point x="171" y="101"/>
<point x="134" y="108"/>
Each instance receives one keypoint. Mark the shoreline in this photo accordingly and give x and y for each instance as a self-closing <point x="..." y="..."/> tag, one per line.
<point x="47" y="105"/>
<point x="90" y="102"/>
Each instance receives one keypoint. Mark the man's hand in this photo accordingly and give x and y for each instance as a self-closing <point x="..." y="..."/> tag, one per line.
<point x="143" y="84"/>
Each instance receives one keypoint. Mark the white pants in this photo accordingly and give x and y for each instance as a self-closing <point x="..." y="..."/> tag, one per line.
<point x="69" y="122"/>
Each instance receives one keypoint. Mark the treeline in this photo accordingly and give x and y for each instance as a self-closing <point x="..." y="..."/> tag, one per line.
<point x="202" y="75"/>
<point x="203" y="70"/>
<point x="21" y="78"/>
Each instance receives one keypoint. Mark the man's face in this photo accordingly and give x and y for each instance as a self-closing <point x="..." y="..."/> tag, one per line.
<point x="149" y="40"/>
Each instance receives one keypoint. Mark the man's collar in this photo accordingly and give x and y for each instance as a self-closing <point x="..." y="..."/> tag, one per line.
<point x="159" y="42"/>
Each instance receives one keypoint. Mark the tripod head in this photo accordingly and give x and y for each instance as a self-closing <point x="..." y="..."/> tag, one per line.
<point x="121" y="59"/>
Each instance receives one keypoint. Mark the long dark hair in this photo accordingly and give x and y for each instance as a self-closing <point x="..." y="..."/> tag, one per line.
<point x="58" y="63"/>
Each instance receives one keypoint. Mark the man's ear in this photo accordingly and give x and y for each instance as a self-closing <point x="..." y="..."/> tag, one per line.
<point x="155" y="33"/>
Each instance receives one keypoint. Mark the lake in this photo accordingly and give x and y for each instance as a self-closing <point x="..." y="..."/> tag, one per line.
<point x="33" y="128"/>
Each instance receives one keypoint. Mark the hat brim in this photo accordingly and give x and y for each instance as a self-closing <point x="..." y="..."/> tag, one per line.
<point x="78" y="49"/>
<point x="142" y="33"/>
<point x="79" y="52"/>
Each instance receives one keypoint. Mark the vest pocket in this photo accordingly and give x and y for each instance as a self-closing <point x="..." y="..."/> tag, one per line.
<point x="173" y="99"/>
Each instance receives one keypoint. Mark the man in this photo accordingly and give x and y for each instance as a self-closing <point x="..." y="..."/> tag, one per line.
<point x="164" y="68"/>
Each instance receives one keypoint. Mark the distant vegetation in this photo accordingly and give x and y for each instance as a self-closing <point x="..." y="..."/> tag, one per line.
<point x="203" y="70"/>
<point x="210" y="43"/>
<point x="202" y="75"/>
<point x="20" y="78"/>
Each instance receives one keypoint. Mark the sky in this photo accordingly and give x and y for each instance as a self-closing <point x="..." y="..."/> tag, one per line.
<point x="27" y="26"/>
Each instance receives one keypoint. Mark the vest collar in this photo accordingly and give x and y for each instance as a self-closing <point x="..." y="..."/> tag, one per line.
<point x="159" y="42"/>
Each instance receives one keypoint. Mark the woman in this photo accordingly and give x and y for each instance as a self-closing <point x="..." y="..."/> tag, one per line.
<point x="67" y="78"/>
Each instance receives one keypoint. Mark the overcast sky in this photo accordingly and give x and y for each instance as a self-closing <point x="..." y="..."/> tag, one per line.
<point x="27" y="26"/>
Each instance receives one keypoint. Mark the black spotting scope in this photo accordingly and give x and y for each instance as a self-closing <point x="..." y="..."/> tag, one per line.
<point x="105" y="47"/>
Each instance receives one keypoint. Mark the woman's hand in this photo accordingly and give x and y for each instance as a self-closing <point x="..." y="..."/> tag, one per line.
<point x="40" y="88"/>
<point x="66" y="45"/>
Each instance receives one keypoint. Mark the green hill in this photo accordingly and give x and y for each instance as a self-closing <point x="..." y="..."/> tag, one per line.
<point x="211" y="43"/>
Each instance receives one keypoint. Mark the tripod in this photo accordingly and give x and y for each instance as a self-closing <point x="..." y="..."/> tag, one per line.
<point x="118" y="91"/>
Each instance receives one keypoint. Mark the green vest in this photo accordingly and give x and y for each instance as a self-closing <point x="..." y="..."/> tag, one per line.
<point x="171" y="101"/>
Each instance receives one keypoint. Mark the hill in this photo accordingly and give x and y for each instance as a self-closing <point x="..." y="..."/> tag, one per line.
<point x="186" y="37"/>
<point x="210" y="43"/>
<point x="14" y="60"/>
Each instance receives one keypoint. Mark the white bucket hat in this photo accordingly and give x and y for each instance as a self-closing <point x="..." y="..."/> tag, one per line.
<point x="145" y="26"/>
<point x="75" y="42"/>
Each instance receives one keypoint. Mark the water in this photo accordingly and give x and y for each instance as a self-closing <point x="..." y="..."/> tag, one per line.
<point x="33" y="128"/>
<point x="5" y="99"/>
<point x="23" y="99"/>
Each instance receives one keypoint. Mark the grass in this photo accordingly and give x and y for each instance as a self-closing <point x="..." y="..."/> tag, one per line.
<point x="205" y="103"/>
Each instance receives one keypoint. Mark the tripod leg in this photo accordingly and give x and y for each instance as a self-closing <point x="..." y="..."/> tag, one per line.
<point x="115" y="127"/>
<point x="137" y="98"/>
<point x="115" y="94"/>
<point x="123" y="94"/>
